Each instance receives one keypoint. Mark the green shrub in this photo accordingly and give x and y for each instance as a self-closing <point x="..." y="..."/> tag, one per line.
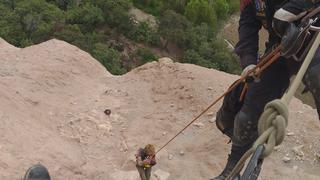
<point x="64" y="4"/>
<point x="153" y="7"/>
<point x="115" y="12"/>
<point x="26" y="42"/>
<point x="145" y="55"/>
<point x="87" y="16"/>
<point x="178" y="6"/>
<point x="38" y="19"/>
<point x="173" y="26"/>
<point x="221" y="7"/>
<point x="233" y="6"/>
<point x="73" y="35"/>
<point x="109" y="58"/>
<point x="225" y="60"/>
<point x="201" y="11"/>
<point x="213" y="54"/>
<point x="104" y="28"/>
<point x="93" y="38"/>
<point x="193" y="57"/>
<point x="197" y="35"/>
<point x="144" y="33"/>
<point x="11" y="29"/>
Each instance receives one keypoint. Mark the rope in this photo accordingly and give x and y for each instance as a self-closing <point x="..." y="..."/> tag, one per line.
<point x="204" y="111"/>
<point x="274" y="120"/>
<point x="263" y="64"/>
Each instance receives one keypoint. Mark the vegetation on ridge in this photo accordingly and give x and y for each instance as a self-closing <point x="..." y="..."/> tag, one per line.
<point x="107" y="30"/>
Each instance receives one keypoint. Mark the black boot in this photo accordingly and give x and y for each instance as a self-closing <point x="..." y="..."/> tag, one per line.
<point x="227" y="170"/>
<point x="234" y="157"/>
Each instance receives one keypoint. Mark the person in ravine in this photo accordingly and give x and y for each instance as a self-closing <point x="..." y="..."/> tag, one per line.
<point x="145" y="159"/>
<point x="238" y="119"/>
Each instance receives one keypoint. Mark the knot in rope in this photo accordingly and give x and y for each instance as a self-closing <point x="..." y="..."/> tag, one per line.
<point x="272" y="125"/>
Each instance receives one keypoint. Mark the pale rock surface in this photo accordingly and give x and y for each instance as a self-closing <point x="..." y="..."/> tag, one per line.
<point x="125" y="175"/>
<point x="161" y="175"/>
<point x="53" y="96"/>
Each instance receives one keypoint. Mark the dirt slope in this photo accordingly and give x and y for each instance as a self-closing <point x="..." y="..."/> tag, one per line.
<point x="52" y="98"/>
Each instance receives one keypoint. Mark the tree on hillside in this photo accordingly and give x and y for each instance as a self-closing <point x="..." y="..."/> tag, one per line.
<point x="221" y="7"/>
<point x="10" y="3"/>
<point x="38" y="19"/>
<point x="105" y="27"/>
<point x="215" y="52"/>
<point x="64" y="4"/>
<point x="233" y="6"/>
<point x="172" y="27"/>
<point x="109" y="58"/>
<point x="151" y="3"/>
<point x="201" y="11"/>
<point x="72" y="34"/>
<point x="87" y="16"/>
<point x="154" y="7"/>
<point x="144" y="55"/>
<point x="145" y="33"/>
<point x="114" y="11"/>
<point x="177" y="5"/>
<point x="197" y="35"/>
<point x="11" y="29"/>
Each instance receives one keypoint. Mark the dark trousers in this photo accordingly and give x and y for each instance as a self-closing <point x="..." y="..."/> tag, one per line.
<point x="145" y="173"/>
<point x="274" y="82"/>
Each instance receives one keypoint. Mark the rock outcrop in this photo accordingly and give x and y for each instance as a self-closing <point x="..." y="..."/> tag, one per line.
<point x="53" y="97"/>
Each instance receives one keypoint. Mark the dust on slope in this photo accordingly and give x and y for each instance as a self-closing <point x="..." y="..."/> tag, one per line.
<point x="52" y="100"/>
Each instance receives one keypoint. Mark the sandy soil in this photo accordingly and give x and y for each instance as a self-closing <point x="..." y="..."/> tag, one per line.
<point x="52" y="98"/>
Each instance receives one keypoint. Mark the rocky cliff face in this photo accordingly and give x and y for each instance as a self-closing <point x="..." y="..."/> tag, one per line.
<point x="53" y="97"/>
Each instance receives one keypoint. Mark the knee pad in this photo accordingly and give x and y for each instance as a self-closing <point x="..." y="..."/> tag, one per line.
<point x="230" y="107"/>
<point x="312" y="80"/>
<point x="245" y="129"/>
<point x="224" y="123"/>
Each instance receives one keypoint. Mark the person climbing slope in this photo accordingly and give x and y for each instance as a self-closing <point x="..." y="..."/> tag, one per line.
<point x="145" y="159"/>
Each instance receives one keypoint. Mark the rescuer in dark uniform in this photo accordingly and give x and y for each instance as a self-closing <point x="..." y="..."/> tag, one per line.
<point x="239" y="119"/>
